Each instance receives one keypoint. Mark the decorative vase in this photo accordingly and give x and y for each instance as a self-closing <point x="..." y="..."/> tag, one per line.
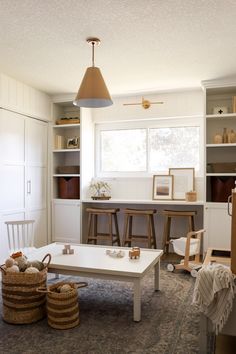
<point x="232" y="137"/>
<point x="218" y="139"/>
<point x="225" y="136"/>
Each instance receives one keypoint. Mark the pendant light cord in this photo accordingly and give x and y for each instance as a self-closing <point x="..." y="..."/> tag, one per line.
<point x="93" y="53"/>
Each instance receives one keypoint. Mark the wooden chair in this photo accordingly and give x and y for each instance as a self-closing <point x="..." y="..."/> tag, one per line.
<point x="112" y="235"/>
<point x="20" y="236"/>
<point x="147" y="215"/>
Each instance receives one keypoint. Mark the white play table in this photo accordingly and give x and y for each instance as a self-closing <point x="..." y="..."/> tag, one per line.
<point x="92" y="261"/>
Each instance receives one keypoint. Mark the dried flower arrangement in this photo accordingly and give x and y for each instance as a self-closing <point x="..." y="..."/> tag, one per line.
<point x="100" y="190"/>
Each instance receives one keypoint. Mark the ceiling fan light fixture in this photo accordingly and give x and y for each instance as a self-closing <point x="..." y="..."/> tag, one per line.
<point x="93" y="92"/>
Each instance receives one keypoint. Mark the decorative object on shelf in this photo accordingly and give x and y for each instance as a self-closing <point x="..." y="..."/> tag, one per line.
<point x="68" y="250"/>
<point x="234" y="104"/>
<point x="59" y="142"/>
<point x="115" y="254"/>
<point x="191" y="196"/>
<point x="100" y="190"/>
<point x="69" y="187"/>
<point x="232" y="137"/>
<point x="162" y="187"/>
<point x="145" y="103"/>
<point x="134" y="253"/>
<point x="225" y="136"/>
<point x="183" y="181"/>
<point x="68" y="170"/>
<point x="72" y="143"/>
<point x="220" y="110"/>
<point x="218" y="139"/>
<point x="221" y="167"/>
<point x="93" y="92"/>
<point x="70" y="120"/>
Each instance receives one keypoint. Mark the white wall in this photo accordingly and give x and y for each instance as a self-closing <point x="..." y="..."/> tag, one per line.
<point x="176" y="104"/>
<point x="181" y="103"/>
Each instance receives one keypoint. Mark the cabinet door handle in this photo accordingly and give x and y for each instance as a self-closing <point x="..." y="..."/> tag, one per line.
<point x="29" y="187"/>
<point x="229" y="202"/>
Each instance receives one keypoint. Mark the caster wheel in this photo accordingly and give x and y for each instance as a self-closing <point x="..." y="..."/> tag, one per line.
<point x="194" y="273"/>
<point x="170" y="267"/>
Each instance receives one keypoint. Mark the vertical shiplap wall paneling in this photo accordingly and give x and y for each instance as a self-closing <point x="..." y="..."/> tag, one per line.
<point x="20" y="104"/>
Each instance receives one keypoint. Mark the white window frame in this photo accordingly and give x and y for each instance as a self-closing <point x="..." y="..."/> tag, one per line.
<point x="147" y="124"/>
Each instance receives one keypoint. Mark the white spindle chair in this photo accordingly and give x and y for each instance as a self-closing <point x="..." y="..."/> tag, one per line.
<point x="20" y="236"/>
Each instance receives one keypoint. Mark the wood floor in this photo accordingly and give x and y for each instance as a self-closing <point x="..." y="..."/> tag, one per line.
<point x="224" y="344"/>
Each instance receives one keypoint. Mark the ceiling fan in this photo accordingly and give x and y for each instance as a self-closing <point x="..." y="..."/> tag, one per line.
<point x="145" y="103"/>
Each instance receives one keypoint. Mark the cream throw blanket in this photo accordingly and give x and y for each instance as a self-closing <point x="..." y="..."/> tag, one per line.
<point x="214" y="293"/>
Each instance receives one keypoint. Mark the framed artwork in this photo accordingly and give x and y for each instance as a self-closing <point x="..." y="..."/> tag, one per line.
<point x="183" y="181"/>
<point x="162" y="187"/>
<point x="72" y="143"/>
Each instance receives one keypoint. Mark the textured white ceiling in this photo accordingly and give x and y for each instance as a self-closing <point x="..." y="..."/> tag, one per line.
<point x="146" y="45"/>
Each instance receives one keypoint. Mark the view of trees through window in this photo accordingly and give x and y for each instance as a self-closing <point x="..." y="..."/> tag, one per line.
<point x="123" y="150"/>
<point x="149" y="149"/>
<point x="173" y="147"/>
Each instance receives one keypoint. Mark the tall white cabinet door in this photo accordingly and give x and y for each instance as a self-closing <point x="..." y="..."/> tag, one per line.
<point x="12" y="161"/>
<point x="218" y="226"/>
<point x="36" y="177"/>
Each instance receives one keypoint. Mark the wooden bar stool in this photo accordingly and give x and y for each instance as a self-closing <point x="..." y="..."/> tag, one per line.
<point x="169" y="214"/>
<point x="149" y="237"/>
<point x="93" y="218"/>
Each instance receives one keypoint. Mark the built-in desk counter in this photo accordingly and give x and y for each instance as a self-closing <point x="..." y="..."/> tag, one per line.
<point x="179" y="227"/>
<point x="143" y="202"/>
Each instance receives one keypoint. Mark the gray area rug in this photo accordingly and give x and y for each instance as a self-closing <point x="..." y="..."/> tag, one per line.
<point x="170" y="324"/>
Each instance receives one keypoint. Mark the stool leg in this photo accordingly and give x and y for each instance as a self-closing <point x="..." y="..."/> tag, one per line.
<point x="89" y="227"/>
<point x="95" y="228"/>
<point x="110" y="228"/>
<point x="116" y="229"/>
<point x="149" y="231"/>
<point x="166" y="237"/>
<point x="153" y="232"/>
<point x="128" y="230"/>
<point x="125" y="234"/>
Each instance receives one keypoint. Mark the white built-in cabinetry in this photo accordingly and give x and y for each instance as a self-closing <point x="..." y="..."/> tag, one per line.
<point x="66" y="169"/>
<point x="220" y="160"/>
<point x="24" y="116"/>
<point x="66" y="212"/>
<point x="23" y="177"/>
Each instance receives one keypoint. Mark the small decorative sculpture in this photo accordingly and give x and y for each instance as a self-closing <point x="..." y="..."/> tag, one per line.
<point x="67" y="250"/>
<point x="134" y="253"/>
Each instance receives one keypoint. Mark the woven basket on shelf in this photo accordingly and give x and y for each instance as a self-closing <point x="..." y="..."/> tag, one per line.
<point x="63" y="308"/>
<point x="21" y="301"/>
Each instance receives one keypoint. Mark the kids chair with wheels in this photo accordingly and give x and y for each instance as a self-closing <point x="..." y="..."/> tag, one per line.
<point x="190" y="248"/>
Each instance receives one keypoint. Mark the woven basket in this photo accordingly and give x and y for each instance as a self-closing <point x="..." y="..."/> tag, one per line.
<point x="21" y="301"/>
<point x="63" y="308"/>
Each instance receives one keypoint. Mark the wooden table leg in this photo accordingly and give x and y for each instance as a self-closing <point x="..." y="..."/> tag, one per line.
<point x="157" y="276"/>
<point x="137" y="300"/>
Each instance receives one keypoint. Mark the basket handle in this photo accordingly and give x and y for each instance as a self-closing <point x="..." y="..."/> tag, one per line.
<point x="49" y="260"/>
<point x="2" y="269"/>
<point x="42" y="289"/>
<point x="80" y="284"/>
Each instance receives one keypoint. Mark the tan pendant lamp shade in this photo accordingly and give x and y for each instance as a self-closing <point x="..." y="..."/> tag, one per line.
<point x="93" y="92"/>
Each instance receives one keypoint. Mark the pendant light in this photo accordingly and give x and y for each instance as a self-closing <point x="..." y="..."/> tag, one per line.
<point x="93" y="92"/>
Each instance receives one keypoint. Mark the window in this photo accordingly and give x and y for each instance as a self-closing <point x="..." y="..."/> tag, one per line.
<point x="148" y="147"/>
<point x="123" y="150"/>
<point x="174" y="147"/>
